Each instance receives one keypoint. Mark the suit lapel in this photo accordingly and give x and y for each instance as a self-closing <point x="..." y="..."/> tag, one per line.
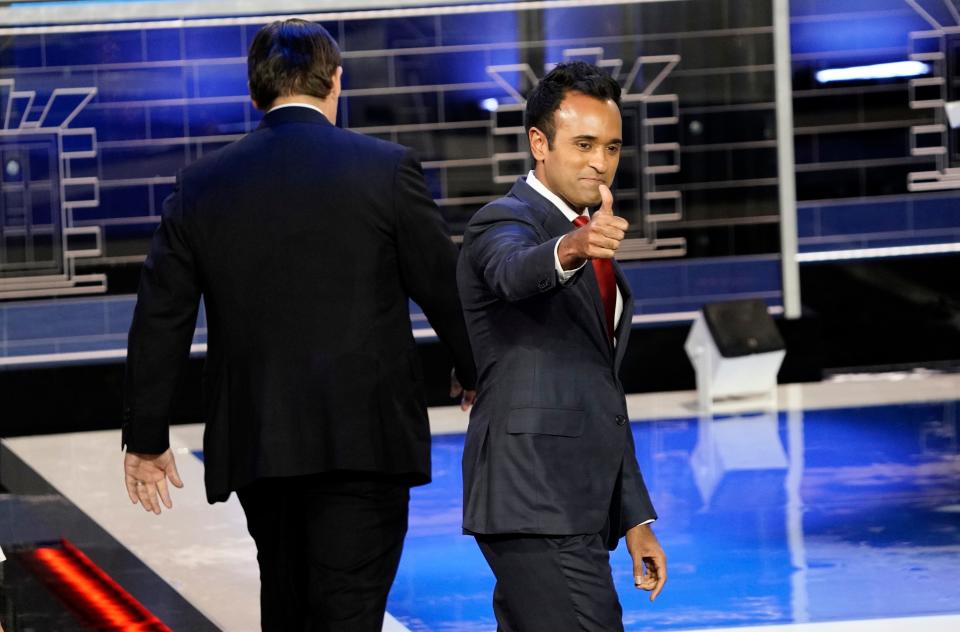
<point x="626" y="318"/>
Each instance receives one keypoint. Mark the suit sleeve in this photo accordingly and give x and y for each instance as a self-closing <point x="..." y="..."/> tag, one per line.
<point x="158" y="345"/>
<point x="428" y="264"/>
<point x="509" y="255"/>
<point x="635" y="504"/>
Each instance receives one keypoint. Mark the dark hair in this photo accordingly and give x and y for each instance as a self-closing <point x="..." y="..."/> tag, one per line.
<point x="574" y="76"/>
<point x="291" y="57"/>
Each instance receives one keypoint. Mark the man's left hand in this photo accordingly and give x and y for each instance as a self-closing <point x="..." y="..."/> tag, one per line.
<point x="467" y="396"/>
<point x="146" y="477"/>
<point x="649" y="560"/>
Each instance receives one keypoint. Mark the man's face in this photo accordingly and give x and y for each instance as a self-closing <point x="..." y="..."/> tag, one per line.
<point x="586" y="149"/>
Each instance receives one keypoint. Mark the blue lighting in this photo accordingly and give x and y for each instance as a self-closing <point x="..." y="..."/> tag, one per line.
<point x="891" y="70"/>
<point x="767" y="519"/>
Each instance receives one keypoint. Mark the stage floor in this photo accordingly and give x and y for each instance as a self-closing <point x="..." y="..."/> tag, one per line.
<point x="839" y="512"/>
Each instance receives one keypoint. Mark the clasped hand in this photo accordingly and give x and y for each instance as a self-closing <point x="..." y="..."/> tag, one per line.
<point x="649" y="560"/>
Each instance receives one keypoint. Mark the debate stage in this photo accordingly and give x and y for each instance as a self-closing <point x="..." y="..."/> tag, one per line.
<point x="839" y="512"/>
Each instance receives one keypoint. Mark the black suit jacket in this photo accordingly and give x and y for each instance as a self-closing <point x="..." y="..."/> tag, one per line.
<point x="306" y="242"/>
<point x="548" y="450"/>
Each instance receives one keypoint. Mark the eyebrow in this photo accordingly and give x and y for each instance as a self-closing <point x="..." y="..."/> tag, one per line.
<point x="615" y="141"/>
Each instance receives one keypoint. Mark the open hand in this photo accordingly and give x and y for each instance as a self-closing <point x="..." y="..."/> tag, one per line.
<point x="146" y="475"/>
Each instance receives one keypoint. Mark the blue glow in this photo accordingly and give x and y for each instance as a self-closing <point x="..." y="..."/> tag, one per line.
<point x="891" y="70"/>
<point x="801" y="516"/>
<point x="852" y="35"/>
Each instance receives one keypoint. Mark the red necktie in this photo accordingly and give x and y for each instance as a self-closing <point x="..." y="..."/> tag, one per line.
<point x="607" y="282"/>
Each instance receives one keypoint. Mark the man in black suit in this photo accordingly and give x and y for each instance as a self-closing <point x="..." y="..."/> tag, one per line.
<point x="551" y="481"/>
<point x="306" y="242"/>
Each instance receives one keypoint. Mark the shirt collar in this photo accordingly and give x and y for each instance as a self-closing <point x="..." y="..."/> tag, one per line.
<point x="562" y="206"/>
<point x="297" y="105"/>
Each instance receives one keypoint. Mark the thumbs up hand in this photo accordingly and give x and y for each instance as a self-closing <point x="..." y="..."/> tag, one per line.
<point x="599" y="239"/>
<point x="606" y="200"/>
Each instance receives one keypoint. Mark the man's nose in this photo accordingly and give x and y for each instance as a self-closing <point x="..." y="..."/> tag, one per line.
<point x="599" y="161"/>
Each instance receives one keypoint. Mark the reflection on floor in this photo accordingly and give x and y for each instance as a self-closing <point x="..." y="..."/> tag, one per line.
<point x="833" y="514"/>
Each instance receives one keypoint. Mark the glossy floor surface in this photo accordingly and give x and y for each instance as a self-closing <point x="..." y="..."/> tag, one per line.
<point x="841" y="511"/>
<point x="802" y="516"/>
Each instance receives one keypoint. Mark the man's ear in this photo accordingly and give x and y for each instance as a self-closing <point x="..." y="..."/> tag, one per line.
<point x="538" y="143"/>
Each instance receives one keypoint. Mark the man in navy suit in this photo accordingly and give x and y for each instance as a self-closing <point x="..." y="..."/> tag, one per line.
<point x="306" y="242"/>
<point x="551" y="481"/>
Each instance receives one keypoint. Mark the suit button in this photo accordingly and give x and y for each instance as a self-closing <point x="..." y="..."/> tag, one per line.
<point x="542" y="283"/>
<point x="621" y="420"/>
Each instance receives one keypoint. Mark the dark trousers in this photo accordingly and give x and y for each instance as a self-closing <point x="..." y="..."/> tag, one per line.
<point x="328" y="548"/>
<point x="552" y="583"/>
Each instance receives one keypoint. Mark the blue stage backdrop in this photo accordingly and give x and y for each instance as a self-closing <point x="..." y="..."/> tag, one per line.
<point x="98" y="118"/>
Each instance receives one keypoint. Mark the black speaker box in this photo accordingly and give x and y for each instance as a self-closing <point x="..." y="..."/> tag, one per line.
<point x="741" y="328"/>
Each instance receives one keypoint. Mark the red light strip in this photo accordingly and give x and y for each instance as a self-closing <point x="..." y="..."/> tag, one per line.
<point x="90" y="592"/>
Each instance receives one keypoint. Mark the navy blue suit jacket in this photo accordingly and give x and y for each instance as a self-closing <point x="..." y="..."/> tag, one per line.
<point x="548" y="450"/>
<point x="306" y="242"/>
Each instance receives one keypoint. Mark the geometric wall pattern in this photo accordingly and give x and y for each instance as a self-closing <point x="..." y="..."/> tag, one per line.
<point x="40" y="241"/>
<point x="858" y="158"/>
<point x="938" y="46"/>
<point x="698" y="178"/>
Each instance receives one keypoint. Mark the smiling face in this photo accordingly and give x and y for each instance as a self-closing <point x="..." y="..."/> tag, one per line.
<point x="585" y="151"/>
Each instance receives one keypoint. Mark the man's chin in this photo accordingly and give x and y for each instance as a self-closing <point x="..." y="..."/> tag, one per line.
<point x="590" y="201"/>
<point x="590" y="195"/>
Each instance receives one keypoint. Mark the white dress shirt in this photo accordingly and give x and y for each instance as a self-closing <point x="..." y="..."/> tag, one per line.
<point x="297" y="105"/>
<point x="564" y="276"/>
